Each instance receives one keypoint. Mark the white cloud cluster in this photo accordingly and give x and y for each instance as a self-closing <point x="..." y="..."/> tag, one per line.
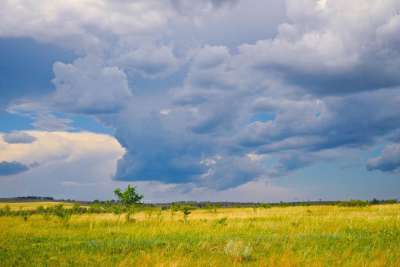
<point x="335" y="47"/>
<point x="59" y="146"/>
<point x="149" y="61"/>
<point x="87" y="86"/>
<point x="82" y="24"/>
<point x="61" y="164"/>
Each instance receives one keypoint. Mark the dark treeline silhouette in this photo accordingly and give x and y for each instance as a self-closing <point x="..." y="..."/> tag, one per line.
<point x="27" y="199"/>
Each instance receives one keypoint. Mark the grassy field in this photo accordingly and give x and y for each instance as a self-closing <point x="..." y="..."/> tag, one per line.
<point x="278" y="236"/>
<point x="32" y="205"/>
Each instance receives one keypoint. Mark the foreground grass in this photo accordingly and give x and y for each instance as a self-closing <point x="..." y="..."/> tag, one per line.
<point x="279" y="236"/>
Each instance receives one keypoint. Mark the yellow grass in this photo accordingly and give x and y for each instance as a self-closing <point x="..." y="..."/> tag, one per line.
<point x="279" y="236"/>
<point x="33" y="205"/>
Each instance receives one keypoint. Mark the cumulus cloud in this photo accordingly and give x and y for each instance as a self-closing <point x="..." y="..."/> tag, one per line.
<point x="87" y="86"/>
<point x="388" y="161"/>
<point x="334" y="47"/>
<point x="82" y="25"/>
<point x="60" y="164"/>
<point x="26" y="68"/>
<point x="149" y="61"/>
<point x="11" y="168"/>
<point x="211" y="56"/>
<point x="331" y="122"/>
<point x="18" y="138"/>
<point x="56" y="146"/>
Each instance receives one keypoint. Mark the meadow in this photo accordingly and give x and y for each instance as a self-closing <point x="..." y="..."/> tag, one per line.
<point x="328" y="235"/>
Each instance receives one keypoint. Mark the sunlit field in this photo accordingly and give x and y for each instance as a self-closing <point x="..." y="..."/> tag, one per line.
<point x="277" y="236"/>
<point x="33" y="205"/>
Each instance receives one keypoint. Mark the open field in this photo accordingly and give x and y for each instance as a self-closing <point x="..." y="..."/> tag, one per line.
<point x="278" y="236"/>
<point x="32" y="205"/>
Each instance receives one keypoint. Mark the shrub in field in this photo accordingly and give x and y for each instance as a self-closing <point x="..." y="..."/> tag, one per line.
<point x="174" y="208"/>
<point x="390" y="201"/>
<point x="353" y="203"/>
<point x="96" y="208"/>
<point x="387" y="201"/>
<point x="63" y="214"/>
<point x="266" y="206"/>
<point x="238" y="250"/>
<point x="40" y="209"/>
<point x="77" y="209"/>
<point x="222" y="221"/>
<point x="6" y="211"/>
<point x="25" y="215"/>
<point x="186" y="210"/>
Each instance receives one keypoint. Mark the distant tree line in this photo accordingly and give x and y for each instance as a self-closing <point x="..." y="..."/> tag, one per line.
<point x="61" y="211"/>
<point x="27" y="199"/>
<point x="129" y="202"/>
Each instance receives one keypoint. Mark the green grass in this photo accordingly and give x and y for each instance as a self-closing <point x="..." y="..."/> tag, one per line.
<point x="279" y="236"/>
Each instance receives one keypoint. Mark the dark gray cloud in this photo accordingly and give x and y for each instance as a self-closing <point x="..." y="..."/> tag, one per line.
<point x="315" y="124"/>
<point x="11" y="168"/>
<point x="158" y="146"/>
<point x="227" y="171"/>
<point x="388" y="161"/>
<point x="180" y="144"/>
<point x="18" y="138"/>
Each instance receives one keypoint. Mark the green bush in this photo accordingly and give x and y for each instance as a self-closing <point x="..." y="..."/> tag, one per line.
<point x="353" y="203"/>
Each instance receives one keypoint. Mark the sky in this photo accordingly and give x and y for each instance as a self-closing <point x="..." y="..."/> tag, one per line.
<point x="213" y="100"/>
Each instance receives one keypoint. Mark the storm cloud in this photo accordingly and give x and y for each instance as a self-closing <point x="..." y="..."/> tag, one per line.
<point x="18" y="138"/>
<point x="11" y="168"/>
<point x="193" y="111"/>
<point x="389" y="161"/>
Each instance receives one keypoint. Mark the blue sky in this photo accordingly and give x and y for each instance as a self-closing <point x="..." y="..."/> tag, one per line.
<point x="201" y="100"/>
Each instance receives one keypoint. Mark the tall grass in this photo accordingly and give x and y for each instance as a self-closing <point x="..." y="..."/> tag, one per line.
<point x="273" y="236"/>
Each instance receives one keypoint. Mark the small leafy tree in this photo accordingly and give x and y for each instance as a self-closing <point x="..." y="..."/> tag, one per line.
<point x="129" y="196"/>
